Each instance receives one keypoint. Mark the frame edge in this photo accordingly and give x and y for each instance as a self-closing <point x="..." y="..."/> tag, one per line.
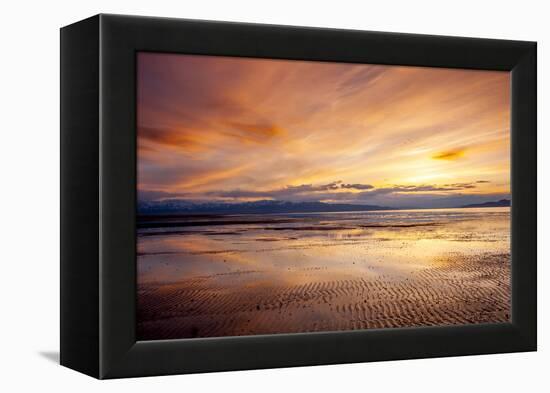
<point x="123" y="357"/>
<point x="79" y="126"/>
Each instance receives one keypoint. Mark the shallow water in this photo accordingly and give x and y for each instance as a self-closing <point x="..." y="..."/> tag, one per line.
<point x="338" y="244"/>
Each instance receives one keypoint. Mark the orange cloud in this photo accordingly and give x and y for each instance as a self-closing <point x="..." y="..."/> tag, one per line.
<point x="255" y="133"/>
<point x="450" y="155"/>
<point x="169" y="137"/>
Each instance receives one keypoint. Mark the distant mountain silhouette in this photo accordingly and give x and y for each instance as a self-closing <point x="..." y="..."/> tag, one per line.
<point x="501" y="203"/>
<point x="257" y="207"/>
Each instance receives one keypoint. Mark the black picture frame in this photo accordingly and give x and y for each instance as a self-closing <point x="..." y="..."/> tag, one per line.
<point x="98" y="196"/>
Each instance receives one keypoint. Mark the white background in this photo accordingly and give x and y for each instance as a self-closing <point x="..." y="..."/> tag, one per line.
<point x="29" y="181"/>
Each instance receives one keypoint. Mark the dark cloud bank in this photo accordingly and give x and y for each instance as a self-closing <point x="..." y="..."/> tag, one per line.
<point x="337" y="192"/>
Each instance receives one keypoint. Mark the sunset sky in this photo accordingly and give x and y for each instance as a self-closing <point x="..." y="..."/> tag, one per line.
<point x="233" y="129"/>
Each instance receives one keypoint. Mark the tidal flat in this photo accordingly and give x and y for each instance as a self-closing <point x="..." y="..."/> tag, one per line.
<point x="234" y="275"/>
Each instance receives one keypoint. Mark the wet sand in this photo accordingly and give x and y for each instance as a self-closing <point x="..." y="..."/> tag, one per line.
<point x="324" y="273"/>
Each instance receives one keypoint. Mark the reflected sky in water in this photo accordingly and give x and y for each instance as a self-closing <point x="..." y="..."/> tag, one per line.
<point x="252" y="250"/>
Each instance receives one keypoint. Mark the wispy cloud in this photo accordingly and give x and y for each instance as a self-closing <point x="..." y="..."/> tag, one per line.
<point x="222" y="127"/>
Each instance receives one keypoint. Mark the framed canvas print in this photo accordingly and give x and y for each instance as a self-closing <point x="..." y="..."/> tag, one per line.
<point x="239" y="196"/>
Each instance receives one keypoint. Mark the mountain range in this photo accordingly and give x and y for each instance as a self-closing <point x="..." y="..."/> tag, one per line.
<point x="269" y="206"/>
<point x="501" y="203"/>
<point x="258" y="207"/>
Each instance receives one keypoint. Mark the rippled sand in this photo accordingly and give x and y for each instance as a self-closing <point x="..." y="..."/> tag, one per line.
<point x="227" y="276"/>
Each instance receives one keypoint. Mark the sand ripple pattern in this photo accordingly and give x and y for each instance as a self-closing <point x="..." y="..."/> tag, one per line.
<point x="452" y="290"/>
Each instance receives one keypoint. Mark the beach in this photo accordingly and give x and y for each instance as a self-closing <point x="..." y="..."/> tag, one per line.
<point x="234" y="275"/>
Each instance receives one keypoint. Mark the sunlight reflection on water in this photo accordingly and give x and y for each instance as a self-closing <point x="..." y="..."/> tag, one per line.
<point x="298" y="248"/>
